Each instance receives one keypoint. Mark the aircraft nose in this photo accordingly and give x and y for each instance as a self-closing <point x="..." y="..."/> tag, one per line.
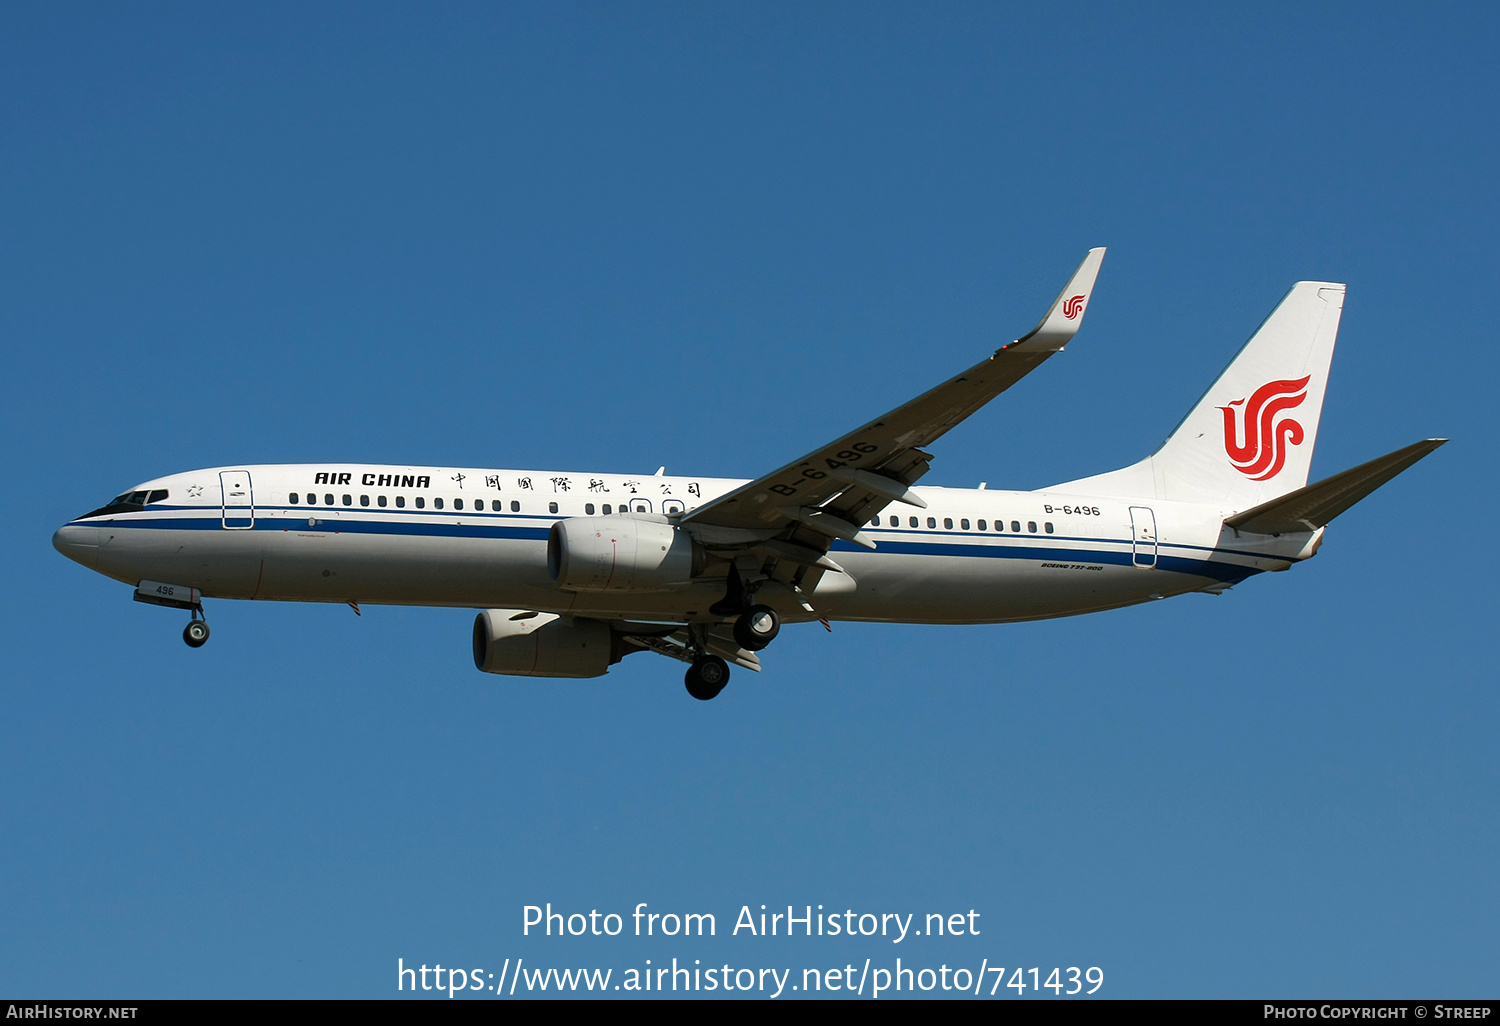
<point x="77" y="543"/>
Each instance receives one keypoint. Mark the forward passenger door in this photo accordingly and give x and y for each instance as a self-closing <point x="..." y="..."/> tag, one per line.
<point x="238" y="500"/>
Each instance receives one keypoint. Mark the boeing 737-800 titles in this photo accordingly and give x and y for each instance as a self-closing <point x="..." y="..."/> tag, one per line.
<point x="571" y="572"/>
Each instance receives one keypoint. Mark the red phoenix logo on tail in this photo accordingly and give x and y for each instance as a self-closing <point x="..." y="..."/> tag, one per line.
<point x="1263" y="451"/>
<point x="1073" y="307"/>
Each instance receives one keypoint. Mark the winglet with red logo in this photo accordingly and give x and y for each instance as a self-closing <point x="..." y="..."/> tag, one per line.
<point x="1066" y="315"/>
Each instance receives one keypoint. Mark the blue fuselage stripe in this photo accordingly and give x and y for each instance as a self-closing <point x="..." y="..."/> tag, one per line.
<point x="504" y="526"/>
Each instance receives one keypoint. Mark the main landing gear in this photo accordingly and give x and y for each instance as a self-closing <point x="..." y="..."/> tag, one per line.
<point x="755" y="626"/>
<point x="706" y="677"/>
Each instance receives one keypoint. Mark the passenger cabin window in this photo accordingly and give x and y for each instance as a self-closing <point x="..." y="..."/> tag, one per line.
<point x="479" y="505"/>
<point x="421" y="502"/>
<point x="364" y="500"/>
<point x="437" y="503"/>
<point x="983" y="526"/>
<point x="932" y="521"/>
<point x="348" y="500"/>
<point x="1048" y="526"/>
<point x="607" y="509"/>
<point x="1031" y="526"/>
<point x="380" y="500"/>
<point x="1015" y="525"/>
<point x="912" y="521"/>
<point x="515" y="507"/>
<point x="400" y="502"/>
<point x="947" y="523"/>
<point x="964" y="524"/>
<point x="551" y="507"/>
<point x="292" y="498"/>
<point x="895" y="521"/>
<point x="328" y="499"/>
<point x="588" y="509"/>
<point x="458" y="504"/>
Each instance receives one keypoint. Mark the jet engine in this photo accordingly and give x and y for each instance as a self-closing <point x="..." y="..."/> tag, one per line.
<point x="621" y="553"/>
<point x="531" y="644"/>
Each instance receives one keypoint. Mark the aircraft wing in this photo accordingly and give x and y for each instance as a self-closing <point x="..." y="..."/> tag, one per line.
<point x="832" y="489"/>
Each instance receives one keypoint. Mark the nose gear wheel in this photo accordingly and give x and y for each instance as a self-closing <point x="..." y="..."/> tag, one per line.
<point x="195" y="633"/>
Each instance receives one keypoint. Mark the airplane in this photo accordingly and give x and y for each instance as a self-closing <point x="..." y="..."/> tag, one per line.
<point x="571" y="572"/>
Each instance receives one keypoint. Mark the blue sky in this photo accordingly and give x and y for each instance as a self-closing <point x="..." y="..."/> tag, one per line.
<point x="611" y="237"/>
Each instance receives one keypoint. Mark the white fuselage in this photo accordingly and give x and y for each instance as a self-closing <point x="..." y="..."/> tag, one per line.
<point x="476" y="538"/>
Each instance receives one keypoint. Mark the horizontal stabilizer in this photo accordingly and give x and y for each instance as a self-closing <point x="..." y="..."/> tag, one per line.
<point x="1313" y="506"/>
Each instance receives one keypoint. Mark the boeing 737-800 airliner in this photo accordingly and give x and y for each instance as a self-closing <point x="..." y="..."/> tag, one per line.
<point x="571" y="572"/>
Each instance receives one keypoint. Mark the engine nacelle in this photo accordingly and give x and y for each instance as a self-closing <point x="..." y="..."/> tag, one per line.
<point x="621" y="553"/>
<point x="531" y="644"/>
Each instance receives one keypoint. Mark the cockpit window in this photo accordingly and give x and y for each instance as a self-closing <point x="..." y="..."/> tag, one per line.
<point x="125" y="502"/>
<point x="159" y="495"/>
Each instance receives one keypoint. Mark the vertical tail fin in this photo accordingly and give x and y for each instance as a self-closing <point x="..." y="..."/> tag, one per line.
<point x="1250" y="438"/>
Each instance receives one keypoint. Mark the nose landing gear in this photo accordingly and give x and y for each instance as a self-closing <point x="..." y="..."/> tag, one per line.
<point x="195" y="633"/>
<point x="178" y="596"/>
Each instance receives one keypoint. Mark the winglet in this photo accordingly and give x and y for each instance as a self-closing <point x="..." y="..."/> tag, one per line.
<point x="1066" y="315"/>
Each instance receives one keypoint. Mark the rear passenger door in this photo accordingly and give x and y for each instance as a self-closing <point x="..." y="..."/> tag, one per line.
<point x="1143" y="536"/>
